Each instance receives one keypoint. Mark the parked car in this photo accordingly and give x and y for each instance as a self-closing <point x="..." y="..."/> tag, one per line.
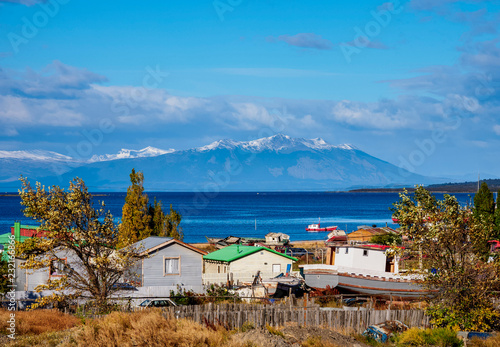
<point x="157" y="303"/>
<point x="355" y="301"/>
<point x="297" y="252"/>
<point x="123" y="286"/>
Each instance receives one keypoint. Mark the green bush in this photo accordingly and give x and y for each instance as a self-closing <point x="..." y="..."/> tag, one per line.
<point x="247" y="326"/>
<point x="183" y="297"/>
<point x="441" y="337"/>
<point x="274" y="331"/>
<point x="217" y="293"/>
<point x="477" y="318"/>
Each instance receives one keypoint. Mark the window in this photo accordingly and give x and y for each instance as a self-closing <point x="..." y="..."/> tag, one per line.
<point x="57" y="267"/>
<point x="365" y="252"/>
<point x="172" y="266"/>
<point x="346" y="250"/>
<point x="337" y="250"/>
<point x="276" y="268"/>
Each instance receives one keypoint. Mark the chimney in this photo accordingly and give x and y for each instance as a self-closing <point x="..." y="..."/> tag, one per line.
<point x="17" y="231"/>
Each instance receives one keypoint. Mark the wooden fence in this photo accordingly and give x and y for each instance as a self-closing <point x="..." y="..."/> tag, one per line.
<point x="235" y="315"/>
<point x="280" y="312"/>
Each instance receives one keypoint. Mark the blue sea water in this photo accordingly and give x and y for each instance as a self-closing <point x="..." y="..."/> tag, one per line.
<point x="251" y="214"/>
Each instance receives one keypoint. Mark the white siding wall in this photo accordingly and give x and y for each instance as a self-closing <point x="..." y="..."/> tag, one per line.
<point x="33" y="278"/>
<point x="375" y="261"/>
<point x="244" y="269"/>
<point x="262" y="260"/>
<point x="190" y="263"/>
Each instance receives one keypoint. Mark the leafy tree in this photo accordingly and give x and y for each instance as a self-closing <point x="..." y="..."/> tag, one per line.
<point x="454" y="244"/>
<point x="484" y="204"/>
<point x="136" y="219"/>
<point x="4" y="272"/>
<point x="389" y="239"/>
<point x="80" y="240"/>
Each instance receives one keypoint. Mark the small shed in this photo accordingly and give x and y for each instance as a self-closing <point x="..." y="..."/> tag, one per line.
<point x="277" y="239"/>
<point x="365" y="233"/>
<point x="238" y="263"/>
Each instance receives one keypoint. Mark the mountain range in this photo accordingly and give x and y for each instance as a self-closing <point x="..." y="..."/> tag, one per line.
<point x="273" y="163"/>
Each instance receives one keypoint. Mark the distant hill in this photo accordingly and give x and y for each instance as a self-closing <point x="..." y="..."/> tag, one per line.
<point x="461" y="187"/>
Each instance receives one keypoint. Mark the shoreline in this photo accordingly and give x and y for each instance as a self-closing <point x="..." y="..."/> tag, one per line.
<point x="299" y="243"/>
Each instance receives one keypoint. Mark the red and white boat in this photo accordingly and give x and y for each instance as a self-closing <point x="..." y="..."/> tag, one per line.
<point x="318" y="228"/>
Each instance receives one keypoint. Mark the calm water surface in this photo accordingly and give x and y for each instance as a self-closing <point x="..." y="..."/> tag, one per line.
<point x="238" y="213"/>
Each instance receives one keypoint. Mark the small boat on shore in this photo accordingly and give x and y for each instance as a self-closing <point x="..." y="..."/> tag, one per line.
<point x="318" y="228"/>
<point x="364" y="269"/>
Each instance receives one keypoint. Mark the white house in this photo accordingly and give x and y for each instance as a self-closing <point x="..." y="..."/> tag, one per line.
<point x="241" y="263"/>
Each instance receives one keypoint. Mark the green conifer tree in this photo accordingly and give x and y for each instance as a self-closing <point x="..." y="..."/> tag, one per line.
<point x="165" y="225"/>
<point x="157" y="223"/>
<point x="497" y="216"/>
<point x="173" y="221"/>
<point x="484" y="204"/>
<point x="136" y="219"/>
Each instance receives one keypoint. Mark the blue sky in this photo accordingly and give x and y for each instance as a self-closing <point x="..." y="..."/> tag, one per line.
<point x="411" y="82"/>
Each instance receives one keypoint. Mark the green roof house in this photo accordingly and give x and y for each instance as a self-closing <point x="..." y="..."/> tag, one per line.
<point x="18" y="233"/>
<point x="241" y="263"/>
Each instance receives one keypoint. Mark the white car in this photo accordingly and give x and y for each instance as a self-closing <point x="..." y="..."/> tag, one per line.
<point x="157" y="303"/>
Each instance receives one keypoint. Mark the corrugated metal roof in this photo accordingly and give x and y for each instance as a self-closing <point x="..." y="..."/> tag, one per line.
<point x="150" y="242"/>
<point x="5" y="238"/>
<point x="234" y="252"/>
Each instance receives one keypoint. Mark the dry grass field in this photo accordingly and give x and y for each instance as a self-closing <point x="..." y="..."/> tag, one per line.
<point x="151" y="328"/>
<point x="37" y="322"/>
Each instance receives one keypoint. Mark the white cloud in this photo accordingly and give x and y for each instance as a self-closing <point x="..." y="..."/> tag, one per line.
<point x="8" y="131"/>
<point x="480" y="144"/>
<point x="274" y="72"/>
<point x="58" y="113"/>
<point x="496" y="129"/>
<point x="369" y="115"/>
<point x="308" y="121"/>
<point x="13" y="110"/>
<point x="305" y="40"/>
<point x="249" y="116"/>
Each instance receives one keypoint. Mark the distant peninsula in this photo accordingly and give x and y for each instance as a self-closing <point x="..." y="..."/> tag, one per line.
<point x="461" y="187"/>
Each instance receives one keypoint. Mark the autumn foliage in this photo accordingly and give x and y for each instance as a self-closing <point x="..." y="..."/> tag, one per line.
<point x="452" y="244"/>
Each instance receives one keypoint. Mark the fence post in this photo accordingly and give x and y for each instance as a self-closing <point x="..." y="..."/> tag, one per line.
<point x="305" y="309"/>
<point x="388" y="316"/>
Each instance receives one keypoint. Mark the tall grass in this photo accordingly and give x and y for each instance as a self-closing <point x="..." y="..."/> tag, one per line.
<point x="147" y="328"/>
<point x="316" y="341"/>
<point x="493" y="341"/>
<point x="37" y="322"/>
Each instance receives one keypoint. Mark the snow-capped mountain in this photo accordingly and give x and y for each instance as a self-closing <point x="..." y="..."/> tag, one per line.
<point x="34" y="163"/>
<point x="131" y="153"/>
<point x="277" y="142"/>
<point x="273" y="163"/>
<point x="34" y="155"/>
